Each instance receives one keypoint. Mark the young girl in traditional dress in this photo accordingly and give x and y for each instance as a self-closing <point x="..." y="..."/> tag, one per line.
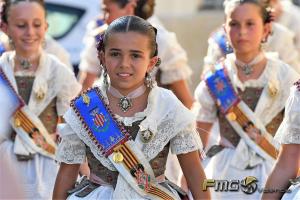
<point x="288" y="163"/>
<point x="154" y="118"/>
<point x="218" y="45"/>
<point x="246" y="92"/>
<point x="45" y="86"/>
<point x="174" y="71"/>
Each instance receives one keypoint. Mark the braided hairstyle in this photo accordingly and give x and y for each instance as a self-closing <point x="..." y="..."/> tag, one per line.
<point x="8" y="3"/>
<point x="266" y="11"/>
<point x="126" y="24"/>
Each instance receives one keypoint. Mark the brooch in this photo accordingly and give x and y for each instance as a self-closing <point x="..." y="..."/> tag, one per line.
<point x="273" y="91"/>
<point x="39" y="95"/>
<point x="146" y="136"/>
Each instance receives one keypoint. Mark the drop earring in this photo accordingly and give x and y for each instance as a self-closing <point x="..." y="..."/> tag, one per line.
<point x="105" y="78"/>
<point x="11" y="43"/>
<point x="149" y="81"/>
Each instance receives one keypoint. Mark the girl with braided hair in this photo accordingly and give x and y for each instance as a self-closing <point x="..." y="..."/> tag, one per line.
<point x="173" y="72"/>
<point x="153" y="117"/>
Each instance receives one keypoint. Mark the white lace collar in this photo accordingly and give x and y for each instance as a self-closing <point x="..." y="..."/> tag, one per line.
<point x="267" y="75"/>
<point x="40" y="88"/>
<point x="170" y="112"/>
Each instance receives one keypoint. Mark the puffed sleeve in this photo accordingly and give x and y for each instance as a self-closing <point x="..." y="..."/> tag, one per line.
<point x="71" y="149"/>
<point x="68" y="90"/>
<point x="286" y="49"/>
<point x="205" y="107"/>
<point x="186" y="141"/>
<point x="89" y="58"/>
<point x="89" y="61"/>
<point x="174" y="65"/>
<point x="55" y="48"/>
<point x="289" y="130"/>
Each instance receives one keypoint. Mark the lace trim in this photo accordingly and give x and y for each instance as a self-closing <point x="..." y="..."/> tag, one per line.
<point x="76" y="124"/>
<point x="183" y="140"/>
<point x="171" y="123"/>
<point x="171" y="76"/>
<point x="288" y="135"/>
<point x="71" y="150"/>
<point x="186" y="141"/>
<point x="260" y="82"/>
<point x="159" y="140"/>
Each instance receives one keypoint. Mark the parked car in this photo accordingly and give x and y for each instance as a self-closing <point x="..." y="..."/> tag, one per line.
<point x="67" y="23"/>
<point x="297" y="2"/>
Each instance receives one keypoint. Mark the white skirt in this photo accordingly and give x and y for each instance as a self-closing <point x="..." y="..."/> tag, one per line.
<point x="36" y="177"/>
<point x="102" y="192"/>
<point x="294" y="195"/>
<point x="86" y="190"/>
<point x="219" y="167"/>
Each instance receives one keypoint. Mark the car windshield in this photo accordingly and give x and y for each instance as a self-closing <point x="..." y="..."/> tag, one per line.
<point x="62" y="19"/>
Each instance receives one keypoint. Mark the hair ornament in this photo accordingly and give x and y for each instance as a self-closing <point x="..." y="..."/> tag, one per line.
<point x="100" y="43"/>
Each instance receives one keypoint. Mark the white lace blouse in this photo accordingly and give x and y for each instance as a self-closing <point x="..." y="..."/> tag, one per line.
<point x="166" y="117"/>
<point x="277" y="75"/>
<point x="286" y="48"/>
<point x="289" y="130"/>
<point x="52" y="79"/>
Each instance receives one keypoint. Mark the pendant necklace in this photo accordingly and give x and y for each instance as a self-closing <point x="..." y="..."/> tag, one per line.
<point x="247" y="68"/>
<point x="25" y="63"/>
<point x="125" y="102"/>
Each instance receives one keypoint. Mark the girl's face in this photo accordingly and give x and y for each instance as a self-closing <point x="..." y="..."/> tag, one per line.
<point x="277" y="6"/>
<point x="112" y="10"/>
<point x="127" y="59"/>
<point x="245" y="28"/>
<point x="26" y="27"/>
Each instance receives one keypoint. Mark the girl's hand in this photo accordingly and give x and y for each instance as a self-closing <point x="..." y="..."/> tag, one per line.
<point x="254" y="134"/>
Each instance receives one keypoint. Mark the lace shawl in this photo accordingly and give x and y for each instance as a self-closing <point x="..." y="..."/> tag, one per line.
<point x="166" y="117"/>
<point x="289" y="130"/>
<point x="276" y="74"/>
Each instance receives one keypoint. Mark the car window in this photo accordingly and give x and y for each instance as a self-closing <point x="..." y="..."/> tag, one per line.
<point x="62" y="19"/>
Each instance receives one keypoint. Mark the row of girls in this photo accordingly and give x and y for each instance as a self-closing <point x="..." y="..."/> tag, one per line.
<point x="133" y="52"/>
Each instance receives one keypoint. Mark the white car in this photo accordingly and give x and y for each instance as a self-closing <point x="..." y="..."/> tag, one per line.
<point x="67" y="23"/>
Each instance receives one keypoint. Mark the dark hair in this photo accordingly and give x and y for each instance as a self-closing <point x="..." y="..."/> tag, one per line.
<point x="8" y="3"/>
<point x="130" y="23"/>
<point x="143" y="9"/>
<point x="266" y="11"/>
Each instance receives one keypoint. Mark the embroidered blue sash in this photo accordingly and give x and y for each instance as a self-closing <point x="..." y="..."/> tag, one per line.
<point x="115" y="143"/>
<point x="26" y="124"/>
<point x="101" y="126"/>
<point x="221" y="89"/>
<point x="241" y="118"/>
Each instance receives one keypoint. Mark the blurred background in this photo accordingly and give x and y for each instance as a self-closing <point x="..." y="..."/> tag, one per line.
<point x="191" y="20"/>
